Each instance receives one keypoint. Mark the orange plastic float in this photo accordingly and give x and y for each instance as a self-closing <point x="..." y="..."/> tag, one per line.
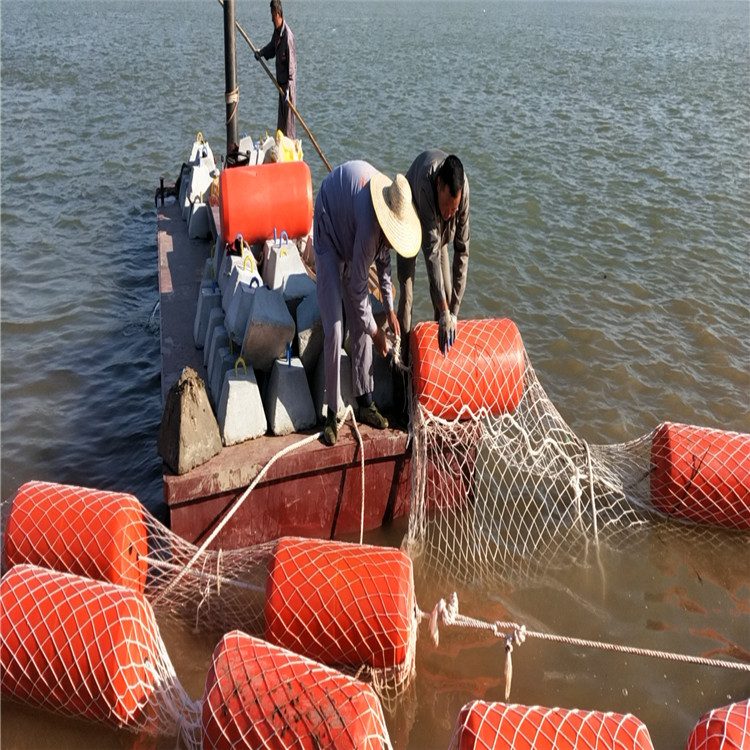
<point x="341" y="604"/>
<point x="701" y="474"/>
<point x="726" y="728"/>
<point x="260" y="202"/>
<point x="497" y="726"/>
<point x="76" y="646"/>
<point x="261" y="695"/>
<point x="483" y="369"/>
<point x="93" y="533"/>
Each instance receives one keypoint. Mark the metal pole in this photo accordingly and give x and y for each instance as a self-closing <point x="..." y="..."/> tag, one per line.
<point x="232" y="93"/>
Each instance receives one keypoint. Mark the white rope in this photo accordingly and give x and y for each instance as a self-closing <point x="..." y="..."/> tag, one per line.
<point x="515" y="634"/>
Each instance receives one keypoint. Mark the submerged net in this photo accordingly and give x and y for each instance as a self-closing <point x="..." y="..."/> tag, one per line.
<point x="502" y="488"/>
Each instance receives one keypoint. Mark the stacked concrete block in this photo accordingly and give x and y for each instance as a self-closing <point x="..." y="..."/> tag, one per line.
<point x="208" y="299"/>
<point x="319" y="386"/>
<point x="281" y="259"/>
<point x="239" y="310"/>
<point x="198" y="222"/>
<point x="224" y="362"/>
<point x="215" y="320"/>
<point x="241" y="270"/>
<point x="310" y="335"/>
<point x="289" y="405"/>
<point x="297" y="287"/>
<point x="270" y="328"/>
<point x="219" y="339"/>
<point x="240" y="412"/>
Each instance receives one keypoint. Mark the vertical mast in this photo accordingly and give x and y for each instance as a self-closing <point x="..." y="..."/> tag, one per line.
<point x="232" y="92"/>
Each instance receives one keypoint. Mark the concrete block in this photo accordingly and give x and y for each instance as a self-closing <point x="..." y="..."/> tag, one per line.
<point x="281" y="259"/>
<point x="219" y="339"/>
<point x="245" y="272"/>
<point x="198" y="224"/>
<point x="270" y="328"/>
<point x="241" y="414"/>
<point x="310" y="335"/>
<point x="215" y="319"/>
<point x="289" y="405"/>
<point x="207" y="279"/>
<point x="239" y="311"/>
<point x="189" y="433"/>
<point x="208" y="299"/>
<point x="319" y="386"/>
<point x="223" y="363"/>
<point x="296" y="287"/>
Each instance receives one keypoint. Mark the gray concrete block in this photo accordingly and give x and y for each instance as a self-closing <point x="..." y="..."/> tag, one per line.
<point x="270" y="328"/>
<point x="219" y="339"/>
<point x="208" y="299"/>
<point x="310" y="335"/>
<point x="296" y="287"/>
<point x="289" y="405"/>
<point x="223" y="364"/>
<point x="239" y="311"/>
<point x="241" y="415"/>
<point x="215" y="319"/>
<point x="280" y="260"/>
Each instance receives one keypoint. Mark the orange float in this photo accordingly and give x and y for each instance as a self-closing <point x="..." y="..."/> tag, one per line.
<point x="726" y="728"/>
<point x="93" y="533"/>
<point x="501" y="726"/>
<point x="262" y="201"/>
<point x="261" y="695"/>
<point x="482" y="371"/>
<point x="341" y="604"/>
<point x="76" y="646"/>
<point x="701" y="474"/>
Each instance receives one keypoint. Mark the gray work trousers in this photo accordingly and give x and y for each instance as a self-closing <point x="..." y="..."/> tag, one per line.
<point x="331" y="274"/>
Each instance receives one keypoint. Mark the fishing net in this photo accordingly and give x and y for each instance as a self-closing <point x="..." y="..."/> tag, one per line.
<point x="349" y="606"/>
<point x="502" y="488"/>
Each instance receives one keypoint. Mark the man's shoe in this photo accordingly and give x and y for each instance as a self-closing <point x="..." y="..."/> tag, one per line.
<point x="331" y="429"/>
<point x="370" y="415"/>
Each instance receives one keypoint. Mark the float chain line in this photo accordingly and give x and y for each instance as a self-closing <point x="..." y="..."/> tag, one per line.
<point x="448" y="614"/>
<point x="241" y="499"/>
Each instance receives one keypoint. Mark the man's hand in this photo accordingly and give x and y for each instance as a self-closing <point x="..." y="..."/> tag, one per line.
<point x="393" y="323"/>
<point x="380" y="342"/>
<point x="447" y="329"/>
<point x="256" y="52"/>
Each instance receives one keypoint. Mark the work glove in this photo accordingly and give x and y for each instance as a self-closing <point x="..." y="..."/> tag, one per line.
<point x="447" y="329"/>
<point x="257" y="54"/>
<point x="286" y="96"/>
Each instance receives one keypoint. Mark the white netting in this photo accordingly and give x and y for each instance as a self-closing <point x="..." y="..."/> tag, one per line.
<point x="501" y="726"/>
<point x="502" y="487"/>
<point x="349" y="606"/>
<point x="91" y="650"/>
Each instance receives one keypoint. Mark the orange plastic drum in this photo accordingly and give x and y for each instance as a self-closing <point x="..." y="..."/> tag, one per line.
<point x="701" y="474"/>
<point x="726" y="728"/>
<point x="260" y="695"/>
<point x="261" y="201"/>
<point x="482" y="371"/>
<point x="92" y="533"/>
<point x="341" y="604"/>
<point x="501" y="726"/>
<point x="76" y="646"/>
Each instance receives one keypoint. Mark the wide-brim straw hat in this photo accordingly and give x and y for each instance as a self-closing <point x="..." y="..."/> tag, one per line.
<point x="396" y="213"/>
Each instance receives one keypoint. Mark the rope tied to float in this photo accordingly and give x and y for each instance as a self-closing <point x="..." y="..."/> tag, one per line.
<point x="514" y="634"/>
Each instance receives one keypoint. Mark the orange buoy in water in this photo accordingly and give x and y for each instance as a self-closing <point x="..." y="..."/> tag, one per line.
<point x="261" y="695"/>
<point x="701" y="474"/>
<point x="75" y="646"/>
<point x="726" y="728"/>
<point x="482" y="371"/>
<point x="496" y="726"/>
<point x="341" y="604"/>
<point x="93" y="533"/>
<point x="262" y="201"/>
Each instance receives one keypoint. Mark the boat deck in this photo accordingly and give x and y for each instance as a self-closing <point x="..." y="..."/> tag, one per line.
<point x="315" y="490"/>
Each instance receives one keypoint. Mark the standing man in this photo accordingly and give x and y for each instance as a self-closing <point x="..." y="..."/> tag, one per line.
<point x="441" y="197"/>
<point x="281" y="47"/>
<point x="359" y="215"/>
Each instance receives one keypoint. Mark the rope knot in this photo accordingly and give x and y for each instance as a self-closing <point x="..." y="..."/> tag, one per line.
<point x="447" y="614"/>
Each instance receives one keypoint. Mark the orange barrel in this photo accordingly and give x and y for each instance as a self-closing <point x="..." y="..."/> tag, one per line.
<point x="261" y="695"/>
<point x="92" y="533"/>
<point x="701" y="474"/>
<point x="342" y="604"/>
<point x="726" y="728"/>
<point x="76" y="646"/>
<point x="482" y="371"/>
<point x="496" y="726"/>
<point x="260" y="201"/>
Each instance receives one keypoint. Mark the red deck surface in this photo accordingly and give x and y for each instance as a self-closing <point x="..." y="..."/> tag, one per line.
<point x="313" y="491"/>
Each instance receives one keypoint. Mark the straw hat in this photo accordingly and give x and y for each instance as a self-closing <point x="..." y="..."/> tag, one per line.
<point x="396" y="213"/>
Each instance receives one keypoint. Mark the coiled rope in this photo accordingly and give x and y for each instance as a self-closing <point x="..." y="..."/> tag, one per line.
<point x="514" y="635"/>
